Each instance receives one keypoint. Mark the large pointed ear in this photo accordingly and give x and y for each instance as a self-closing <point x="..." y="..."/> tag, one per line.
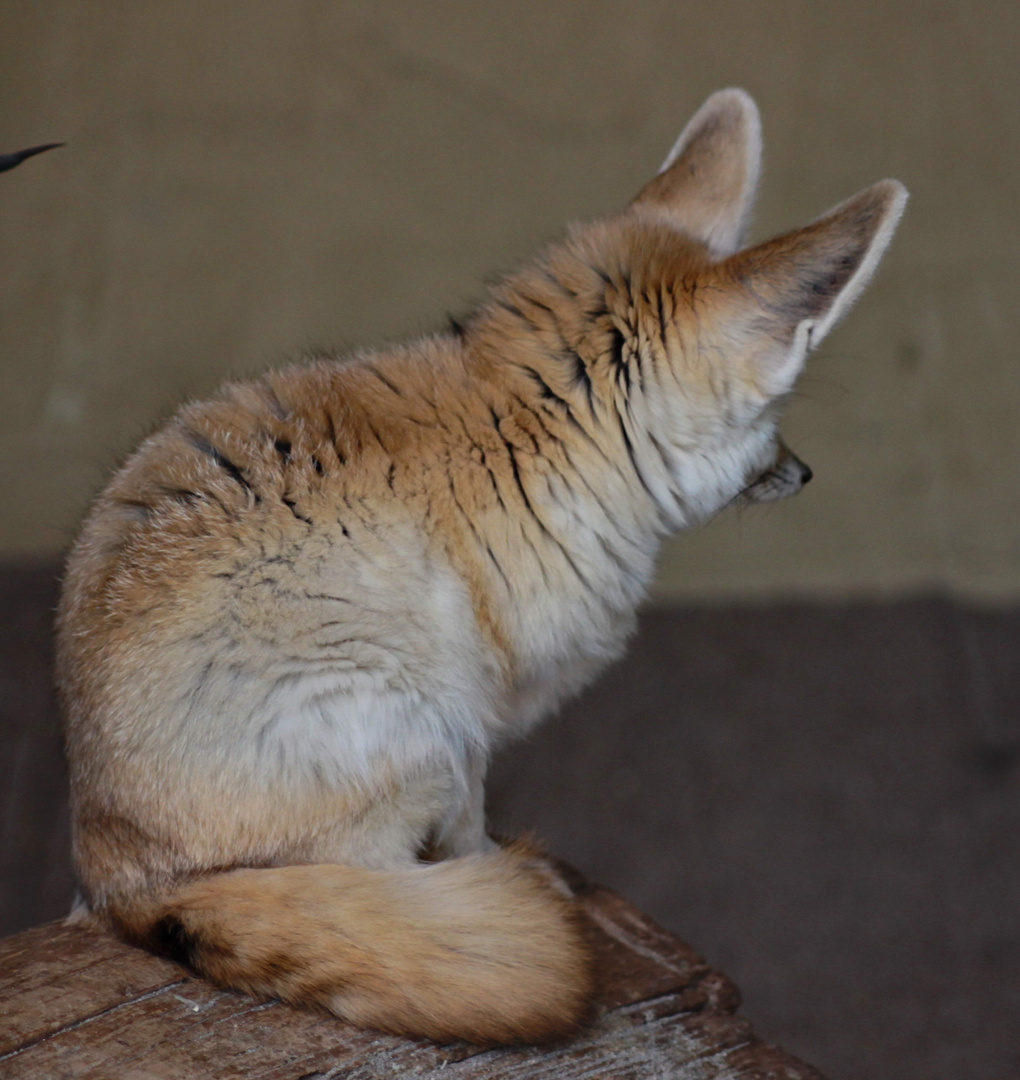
<point x="798" y="285"/>
<point x="708" y="182"/>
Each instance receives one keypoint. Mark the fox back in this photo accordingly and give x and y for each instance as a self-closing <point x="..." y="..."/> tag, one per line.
<point x="304" y="613"/>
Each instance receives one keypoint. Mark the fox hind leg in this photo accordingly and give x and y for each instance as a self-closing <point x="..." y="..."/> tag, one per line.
<point x="461" y="831"/>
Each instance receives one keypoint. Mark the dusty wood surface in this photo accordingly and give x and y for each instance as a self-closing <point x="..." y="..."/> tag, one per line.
<point x="76" y="1003"/>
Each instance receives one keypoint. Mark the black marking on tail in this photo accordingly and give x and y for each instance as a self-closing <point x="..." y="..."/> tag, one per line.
<point x="169" y="937"/>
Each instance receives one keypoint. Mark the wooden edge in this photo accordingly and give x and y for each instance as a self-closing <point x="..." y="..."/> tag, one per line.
<point x="75" y="1001"/>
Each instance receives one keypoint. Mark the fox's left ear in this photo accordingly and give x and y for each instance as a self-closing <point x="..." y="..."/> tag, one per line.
<point x="794" y="288"/>
<point x="707" y="184"/>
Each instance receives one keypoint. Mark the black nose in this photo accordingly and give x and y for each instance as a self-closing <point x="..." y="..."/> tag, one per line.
<point x="805" y="473"/>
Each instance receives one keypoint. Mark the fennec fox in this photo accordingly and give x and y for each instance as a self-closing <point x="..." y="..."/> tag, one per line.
<point x="304" y="613"/>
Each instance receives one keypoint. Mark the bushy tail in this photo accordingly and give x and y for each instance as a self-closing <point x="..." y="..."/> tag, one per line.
<point x="480" y="948"/>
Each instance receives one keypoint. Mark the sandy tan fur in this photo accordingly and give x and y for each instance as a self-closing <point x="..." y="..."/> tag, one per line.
<point x="304" y="613"/>
<point x="439" y="953"/>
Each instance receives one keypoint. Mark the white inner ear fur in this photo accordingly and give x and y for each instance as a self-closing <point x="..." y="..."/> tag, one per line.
<point x="724" y="233"/>
<point x="782" y="374"/>
<point x="862" y="275"/>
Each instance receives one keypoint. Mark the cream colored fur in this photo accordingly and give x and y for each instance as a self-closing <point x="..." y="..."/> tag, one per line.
<point x="303" y="614"/>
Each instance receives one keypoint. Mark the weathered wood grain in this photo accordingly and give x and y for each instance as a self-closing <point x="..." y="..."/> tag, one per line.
<point x="76" y="1004"/>
<point x="55" y="975"/>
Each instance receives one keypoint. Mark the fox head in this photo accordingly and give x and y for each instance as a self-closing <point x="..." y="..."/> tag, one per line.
<point x="686" y="338"/>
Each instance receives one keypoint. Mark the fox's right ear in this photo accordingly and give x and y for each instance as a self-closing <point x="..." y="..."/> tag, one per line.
<point x="707" y="184"/>
<point x="797" y="286"/>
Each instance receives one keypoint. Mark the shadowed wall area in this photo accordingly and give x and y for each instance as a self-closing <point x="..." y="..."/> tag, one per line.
<point x="809" y="764"/>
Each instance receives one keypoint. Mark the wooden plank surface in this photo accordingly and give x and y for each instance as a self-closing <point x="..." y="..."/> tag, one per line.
<point x="76" y="1004"/>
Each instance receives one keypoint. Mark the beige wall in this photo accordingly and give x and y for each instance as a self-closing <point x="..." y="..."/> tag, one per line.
<point x="247" y="178"/>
